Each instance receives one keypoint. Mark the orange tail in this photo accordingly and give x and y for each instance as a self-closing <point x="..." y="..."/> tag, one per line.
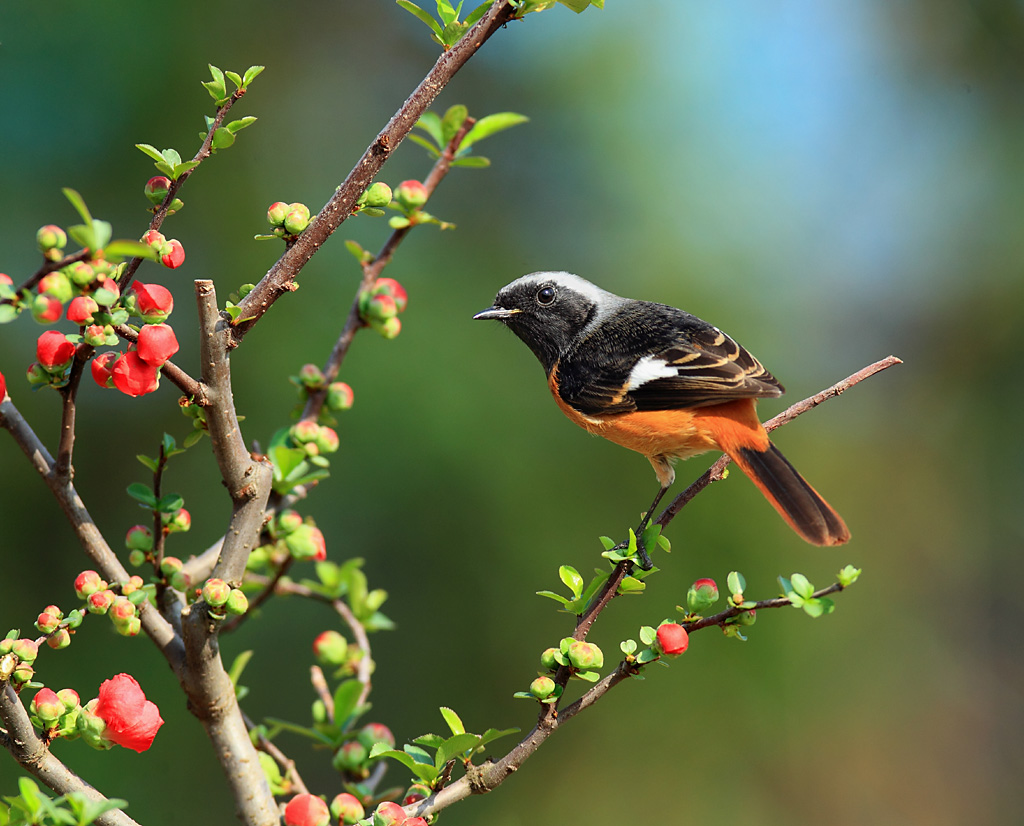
<point x="798" y="503"/>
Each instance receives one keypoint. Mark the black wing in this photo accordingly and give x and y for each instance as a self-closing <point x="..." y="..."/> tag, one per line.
<point x="654" y="357"/>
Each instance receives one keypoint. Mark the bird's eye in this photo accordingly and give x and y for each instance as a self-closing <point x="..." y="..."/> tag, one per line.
<point x="546" y="295"/>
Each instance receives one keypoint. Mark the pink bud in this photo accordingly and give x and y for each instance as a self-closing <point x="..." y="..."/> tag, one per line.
<point x="99" y="602"/>
<point x="139" y="537"/>
<point x="411" y="194"/>
<point x="156" y="189"/>
<point x="156" y="344"/>
<point x="339" y="396"/>
<point x="391" y="287"/>
<point x="46" y="309"/>
<point x="133" y="376"/>
<point x="173" y="257"/>
<point x="102" y="366"/>
<point x="154" y="238"/>
<point x="306" y="810"/>
<point x="276" y="213"/>
<point x="81" y="309"/>
<point x="347" y="809"/>
<point x="54" y="351"/>
<point x="153" y="302"/>
<point x="389" y="813"/>
<point x="47" y="705"/>
<point x="88" y="582"/>
<point x="330" y="648"/>
<point x="672" y="639"/>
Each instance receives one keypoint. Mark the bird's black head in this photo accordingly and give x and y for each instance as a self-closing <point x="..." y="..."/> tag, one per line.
<point x="549" y="310"/>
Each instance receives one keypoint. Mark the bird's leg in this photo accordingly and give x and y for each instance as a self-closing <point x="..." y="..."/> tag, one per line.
<point x="645" y="560"/>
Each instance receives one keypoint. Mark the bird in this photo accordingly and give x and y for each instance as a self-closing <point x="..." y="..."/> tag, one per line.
<point x="661" y="382"/>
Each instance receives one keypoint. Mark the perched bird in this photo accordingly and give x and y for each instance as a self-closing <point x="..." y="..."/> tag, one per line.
<point x="661" y="382"/>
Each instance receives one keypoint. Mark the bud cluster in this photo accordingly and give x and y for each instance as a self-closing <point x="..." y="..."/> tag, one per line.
<point x="353" y="756"/>
<point x="222" y="599"/>
<point x="170" y="253"/>
<point x="122" y="602"/>
<point x="290" y="536"/>
<point x="288" y="220"/>
<point x="380" y="305"/>
<point x="56" y="713"/>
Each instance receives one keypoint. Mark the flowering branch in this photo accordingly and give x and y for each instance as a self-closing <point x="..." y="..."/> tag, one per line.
<point x="278" y="279"/>
<point x="19" y="737"/>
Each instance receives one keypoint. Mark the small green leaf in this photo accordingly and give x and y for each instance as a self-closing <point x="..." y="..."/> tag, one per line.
<point x="171" y="503"/>
<point x="346" y="697"/>
<point x="848" y="575"/>
<point x="631" y="585"/>
<point x="554" y="596"/>
<point x="143" y="493"/>
<point x="646" y="656"/>
<point x="222" y="138"/>
<point x="588" y="676"/>
<point x="472" y="162"/>
<point x="628" y="647"/>
<point x="802" y="586"/>
<point x="452" y="122"/>
<point x="416" y="11"/>
<point x="453" y="720"/>
<point x="251" y="74"/>
<point x="571" y="579"/>
<point x="426" y="144"/>
<point x="648" y="635"/>
<point x="477" y="13"/>
<point x="607" y="542"/>
<point x="123" y="248"/>
<point x="147" y="462"/>
<point x="431" y="741"/>
<point x="737" y="584"/>
<point x="493" y="734"/>
<point x="430" y="122"/>
<point x="78" y="203"/>
<point x="454" y="747"/>
<point x="238" y="125"/>
<point x="491" y="125"/>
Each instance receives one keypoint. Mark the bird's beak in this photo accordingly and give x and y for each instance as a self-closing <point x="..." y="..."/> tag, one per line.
<point x="498" y="313"/>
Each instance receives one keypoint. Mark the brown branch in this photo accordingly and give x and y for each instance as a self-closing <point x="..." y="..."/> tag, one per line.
<point x="69" y="394"/>
<point x="715" y="472"/>
<point x="20" y="739"/>
<point x="372" y="271"/>
<point x="279" y="278"/>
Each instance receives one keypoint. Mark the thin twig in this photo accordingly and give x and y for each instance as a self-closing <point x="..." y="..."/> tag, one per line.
<point x="69" y="393"/>
<point x="282" y="760"/>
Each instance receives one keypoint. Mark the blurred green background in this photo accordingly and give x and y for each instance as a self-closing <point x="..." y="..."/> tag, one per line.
<point x="829" y="182"/>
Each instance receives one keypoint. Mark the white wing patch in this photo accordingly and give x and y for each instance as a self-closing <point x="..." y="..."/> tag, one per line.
<point x="650" y="368"/>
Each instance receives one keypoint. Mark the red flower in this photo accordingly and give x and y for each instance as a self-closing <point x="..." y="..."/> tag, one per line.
<point x="81" y="309"/>
<point x="3" y="387"/>
<point x="306" y="810"/>
<point x="153" y="302"/>
<point x="156" y="344"/>
<point x="672" y="639"/>
<point x="132" y="720"/>
<point x="46" y="309"/>
<point x="101" y="367"/>
<point x="173" y="257"/>
<point x="134" y="377"/>
<point x="154" y="238"/>
<point x="53" y="350"/>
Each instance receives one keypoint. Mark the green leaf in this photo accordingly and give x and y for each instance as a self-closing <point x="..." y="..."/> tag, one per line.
<point x="848" y="575"/>
<point x="193" y="437"/>
<point x="588" y="676"/>
<point x="143" y="493"/>
<point x="238" y="666"/>
<point x="571" y="579"/>
<point x="78" y="203"/>
<point x="472" y="162"/>
<point x="491" y="125"/>
<point x="446" y="12"/>
<point x="577" y="6"/>
<point x="238" y="125"/>
<point x="631" y="585"/>
<point x="418" y="754"/>
<point x="454" y="747"/>
<point x="217" y="87"/>
<point x="802" y="586"/>
<point x="452" y="122"/>
<point x="425" y="772"/>
<point x="737" y="584"/>
<point x="150" y="150"/>
<point x="648" y="635"/>
<point x="346" y="697"/>
<point x="147" y="462"/>
<point x="7" y="313"/>
<point x="235" y="78"/>
<point x="628" y="647"/>
<point x="493" y="734"/>
<point x="170" y="503"/>
<point x="222" y="138"/>
<point x="123" y="248"/>
<point x="416" y="11"/>
<point x="251" y="74"/>
<point x="305" y="731"/>
<point x="431" y="741"/>
<point x="646" y="656"/>
<point x="607" y="542"/>
<point x="453" y="720"/>
<point x="422" y="141"/>
<point x="430" y="122"/>
<point x="477" y="13"/>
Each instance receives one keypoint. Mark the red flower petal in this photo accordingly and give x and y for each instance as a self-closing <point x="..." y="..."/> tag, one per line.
<point x="132" y="720"/>
<point x="157" y="343"/>
<point x="306" y="810"/>
<point x="134" y="377"/>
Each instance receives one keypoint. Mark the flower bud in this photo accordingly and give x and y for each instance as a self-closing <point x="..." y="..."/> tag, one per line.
<point x="542" y="688"/>
<point x="69" y="699"/>
<point x="389" y="813"/>
<point x="102" y="367"/>
<point x="347" y="809"/>
<point x="388" y="286"/>
<point x="38" y="375"/>
<point x="129" y="628"/>
<point x="100" y="601"/>
<point x="410" y="195"/>
<point x="121" y="611"/>
<point x="305" y="431"/>
<point x="296" y="220"/>
<point x="276" y="213"/>
<point x="54" y="351"/>
<point x="155" y="239"/>
<point x="746" y="617"/>
<point x="82" y="273"/>
<point x="172" y="255"/>
<point x="671" y="639"/>
<point x="46" y="309"/>
<point x="585" y="655"/>
<point x="156" y="344"/>
<point x="25" y="650"/>
<point x="389" y="329"/>
<point x="57" y="285"/>
<point x="179" y="522"/>
<point x="286" y="522"/>
<point x="415" y="821"/>
<point x="327" y="439"/>
<point x="415" y="793"/>
<point x="88" y="582"/>
<point x="215" y="592"/>
<point x="3" y="387"/>
<point x="170" y="565"/>
<point x="47" y="622"/>
<point x="701" y="595"/>
<point x="134" y="584"/>
<point x="306" y="542"/>
<point x="153" y="303"/>
<point x="377" y="195"/>
<point x="47" y="706"/>
<point x="23" y="674"/>
<point x="133" y="376"/>
<point x="330" y="648"/>
<point x="547" y="659"/>
<point x="139" y="538"/>
<point x="238" y="602"/>
<point x="373" y="733"/>
<point x="311" y="376"/>
<point x="180" y="581"/>
<point x="96" y="335"/>
<point x="51" y="237"/>
<point x="339" y="396"/>
<point x="306" y="810"/>
<point x="107" y="293"/>
<point x="156" y="189"/>
<point x="92" y="727"/>
<point x="81" y="309"/>
<point x="60" y="639"/>
<point x="380" y="308"/>
<point x="350" y="757"/>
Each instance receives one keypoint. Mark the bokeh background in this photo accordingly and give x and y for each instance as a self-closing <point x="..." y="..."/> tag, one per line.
<point x="829" y="182"/>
